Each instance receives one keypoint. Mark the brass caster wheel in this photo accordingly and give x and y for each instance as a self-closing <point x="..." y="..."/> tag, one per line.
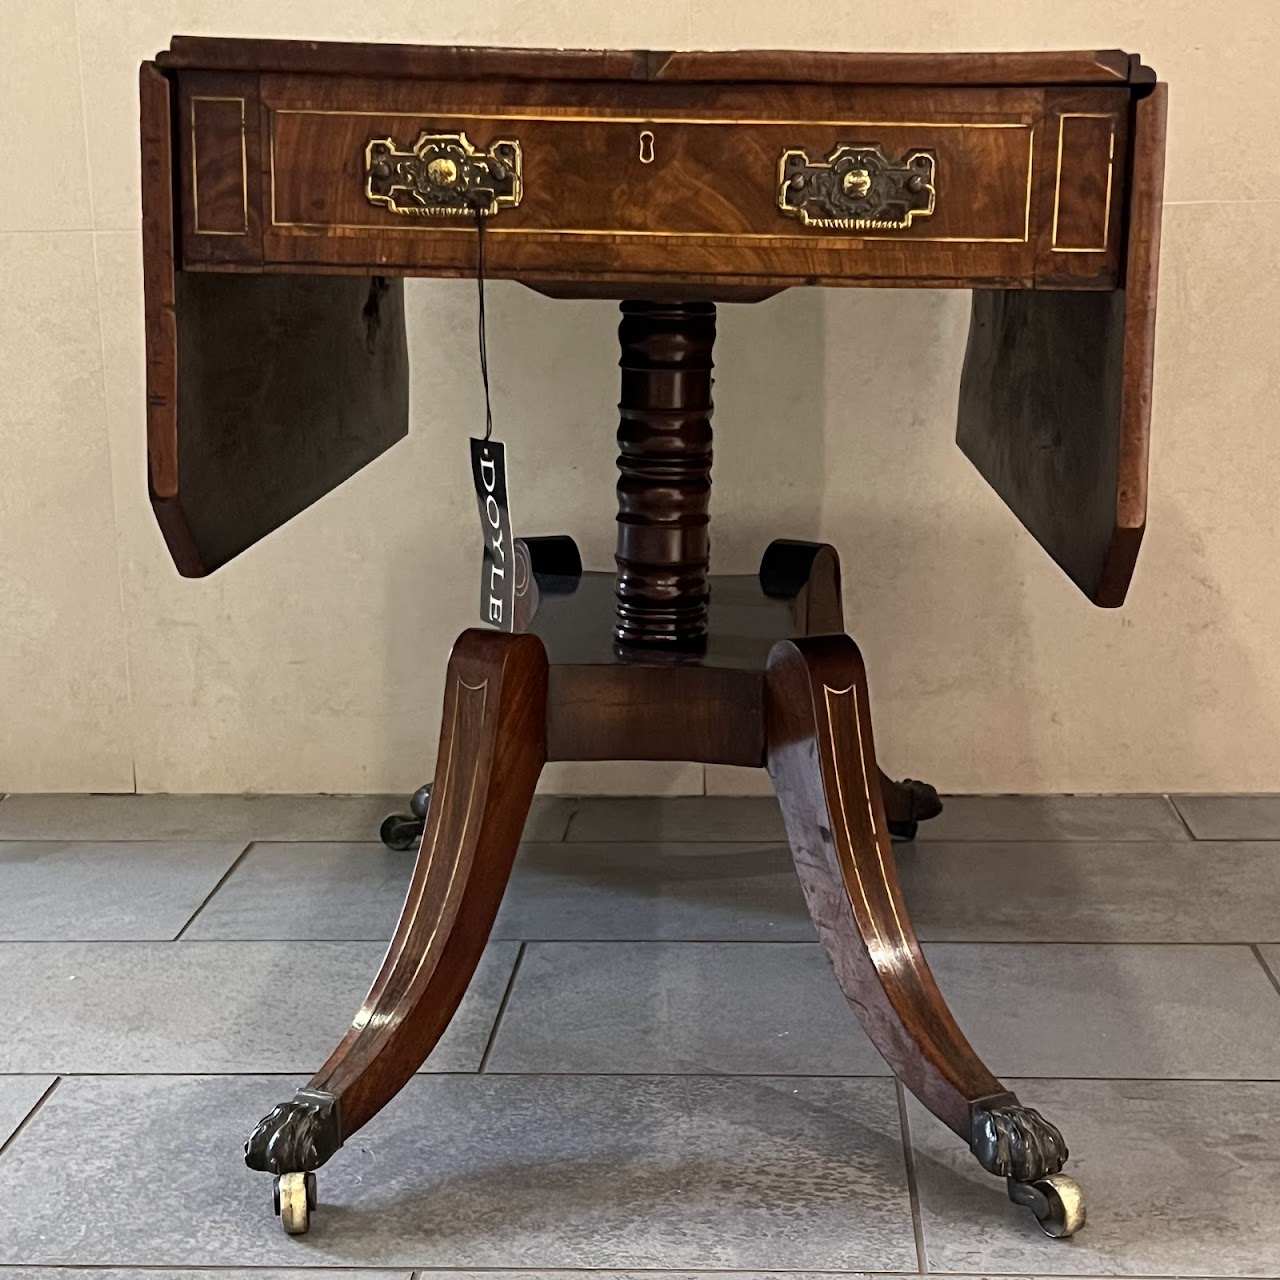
<point x="401" y="833"/>
<point x="420" y="801"/>
<point x="1057" y="1202"/>
<point x="294" y="1195"/>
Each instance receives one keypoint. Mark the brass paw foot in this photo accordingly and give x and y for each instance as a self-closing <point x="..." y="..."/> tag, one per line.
<point x="1017" y="1143"/>
<point x="1013" y="1141"/>
<point x="909" y="803"/>
<point x="297" y="1136"/>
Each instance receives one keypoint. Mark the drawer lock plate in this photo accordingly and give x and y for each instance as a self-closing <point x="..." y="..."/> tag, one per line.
<point x="857" y="188"/>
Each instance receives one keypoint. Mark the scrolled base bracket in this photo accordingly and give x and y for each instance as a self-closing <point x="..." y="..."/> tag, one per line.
<point x="298" y="1136"/>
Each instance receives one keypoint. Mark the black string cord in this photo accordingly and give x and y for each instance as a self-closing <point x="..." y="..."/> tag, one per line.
<point x="484" y="346"/>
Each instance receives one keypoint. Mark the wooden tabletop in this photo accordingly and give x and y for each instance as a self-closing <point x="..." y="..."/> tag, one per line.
<point x="1097" y="66"/>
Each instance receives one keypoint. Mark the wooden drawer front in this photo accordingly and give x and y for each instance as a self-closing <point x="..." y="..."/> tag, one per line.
<point x="655" y="180"/>
<point x="1013" y="186"/>
<point x="662" y="177"/>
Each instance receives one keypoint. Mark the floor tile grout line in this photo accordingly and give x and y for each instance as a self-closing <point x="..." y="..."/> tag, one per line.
<point x="27" y="1119"/>
<point x="1114" y="943"/>
<point x="1266" y="968"/>
<point x="568" y="826"/>
<point x="226" y="875"/>
<point x="913" y="1190"/>
<point x="450" y="1270"/>
<point x="482" y="1069"/>
<point x="782" y="1076"/>
<point x="447" y="1269"/>
<point x="750" y="842"/>
<point x="689" y="1273"/>
<point x="1237" y="943"/>
<point x="920" y="842"/>
<point x="213" y="1271"/>
<point x="575" y="803"/>
<point x="1182" y="817"/>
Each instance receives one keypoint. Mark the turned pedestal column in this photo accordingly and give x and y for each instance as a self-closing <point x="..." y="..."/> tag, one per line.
<point x="664" y="456"/>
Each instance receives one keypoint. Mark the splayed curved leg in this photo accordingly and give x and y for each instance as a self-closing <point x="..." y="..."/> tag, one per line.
<point x="492" y="748"/>
<point x="822" y="761"/>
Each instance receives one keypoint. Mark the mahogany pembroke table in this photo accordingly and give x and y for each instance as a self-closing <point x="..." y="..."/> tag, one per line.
<point x="288" y="189"/>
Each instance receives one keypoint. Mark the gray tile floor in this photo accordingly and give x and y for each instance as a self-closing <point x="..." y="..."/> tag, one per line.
<point x="653" y="1073"/>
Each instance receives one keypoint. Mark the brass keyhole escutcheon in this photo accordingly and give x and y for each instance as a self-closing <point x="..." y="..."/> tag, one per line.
<point x="646" y="146"/>
<point x="442" y="171"/>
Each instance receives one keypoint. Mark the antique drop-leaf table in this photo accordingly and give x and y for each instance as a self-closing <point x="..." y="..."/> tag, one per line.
<point x="288" y="189"/>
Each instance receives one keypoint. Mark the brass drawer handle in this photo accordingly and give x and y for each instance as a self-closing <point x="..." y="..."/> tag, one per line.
<point x="857" y="188"/>
<point x="443" y="176"/>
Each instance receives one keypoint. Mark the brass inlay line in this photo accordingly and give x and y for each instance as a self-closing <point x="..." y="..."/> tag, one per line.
<point x="828" y="693"/>
<point x="461" y="843"/>
<point x="608" y="233"/>
<point x="422" y="882"/>
<point x="1057" y="182"/>
<point x="1031" y="152"/>
<point x="195" y="171"/>
<point x="444" y="113"/>
<point x="875" y="829"/>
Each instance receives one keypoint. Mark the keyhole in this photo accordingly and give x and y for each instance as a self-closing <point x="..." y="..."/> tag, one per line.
<point x="646" y="147"/>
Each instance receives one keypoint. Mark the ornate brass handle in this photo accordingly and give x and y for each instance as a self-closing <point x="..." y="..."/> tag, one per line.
<point x="857" y="188"/>
<point x="443" y="176"/>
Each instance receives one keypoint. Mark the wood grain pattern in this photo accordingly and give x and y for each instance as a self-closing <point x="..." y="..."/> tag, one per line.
<point x="704" y="714"/>
<point x="1102" y="66"/>
<point x="1055" y="396"/>
<point x="158" y="254"/>
<point x="429" y="62"/>
<point x="1082" y="187"/>
<point x="611" y="701"/>
<point x="704" y="177"/>
<point x="1039" y="417"/>
<point x="705" y="203"/>
<point x="744" y="66"/>
<point x="1142" y="275"/>
<point x="492" y="747"/>
<point x="219" y="189"/>
<point x="807" y="573"/>
<point x="1082" y="213"/>
<point x="219" y="168"/>
<point x="255" y="451"/>
<point x="822" y="762"/>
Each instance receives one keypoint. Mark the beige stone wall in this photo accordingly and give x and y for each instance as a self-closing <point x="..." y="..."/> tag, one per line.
<point x="315" y="662"/>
